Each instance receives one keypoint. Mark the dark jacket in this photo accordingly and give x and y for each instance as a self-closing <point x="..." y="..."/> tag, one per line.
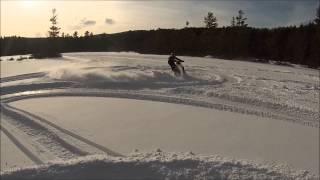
<point x="172" y="59"/>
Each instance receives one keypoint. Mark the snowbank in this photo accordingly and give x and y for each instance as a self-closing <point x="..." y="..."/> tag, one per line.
<point x="156" y="165"/>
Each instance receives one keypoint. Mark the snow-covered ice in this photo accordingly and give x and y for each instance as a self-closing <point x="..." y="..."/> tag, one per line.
<point x="242" y="110"/>
<point x="146" y="125"/>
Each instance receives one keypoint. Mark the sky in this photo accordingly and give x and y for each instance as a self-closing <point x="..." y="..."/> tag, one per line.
<point x="30" y="18"/>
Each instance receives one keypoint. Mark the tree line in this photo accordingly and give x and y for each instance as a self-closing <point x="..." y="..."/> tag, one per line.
<point x="294" y="44"/>
<point x="211" y="21"/>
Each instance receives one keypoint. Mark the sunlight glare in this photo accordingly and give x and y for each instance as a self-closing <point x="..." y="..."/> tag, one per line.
<point x="28" y="3"/>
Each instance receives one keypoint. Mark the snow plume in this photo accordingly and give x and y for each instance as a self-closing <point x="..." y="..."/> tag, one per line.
<point x="124" y="75"/>
<point x="108" y="74"/>
<point x="156" y="165"/>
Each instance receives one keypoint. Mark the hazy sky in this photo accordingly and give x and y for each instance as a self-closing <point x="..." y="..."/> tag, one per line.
<point x="31" y="18"/>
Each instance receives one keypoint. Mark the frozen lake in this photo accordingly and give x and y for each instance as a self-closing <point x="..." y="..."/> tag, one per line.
<point x="87" y="104"/>
<point x="124" y="125"/>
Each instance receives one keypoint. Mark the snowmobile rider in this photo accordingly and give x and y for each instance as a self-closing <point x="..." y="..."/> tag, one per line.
<point x="172" y="60"/>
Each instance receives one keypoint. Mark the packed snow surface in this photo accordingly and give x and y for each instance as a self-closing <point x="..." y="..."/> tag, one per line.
<point x="157" y="165"/>
<point x="282" y="100"/>
<point x="147" y="125"/>
<point x="10" y="155"/>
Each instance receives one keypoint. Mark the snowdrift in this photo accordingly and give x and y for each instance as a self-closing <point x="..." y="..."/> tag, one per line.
<point x="156" y="165"/>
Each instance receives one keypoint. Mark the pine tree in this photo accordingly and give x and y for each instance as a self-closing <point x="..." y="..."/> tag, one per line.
<point x="75" y="34"/>
<point x="233" y="22"/>
<point x="86" y="34"/>
<point x="241" y="20"/>
<point x="210" y="20"/>
<point x="54" y="29"/>
<point x="187" y="24"/>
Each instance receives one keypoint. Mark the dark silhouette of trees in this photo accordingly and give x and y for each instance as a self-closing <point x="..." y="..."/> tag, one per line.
<point x="299" y="45"/>
<point x="75" y="34"/>
<point x="241" y="20"/>
<point x="52" y="49"/>
<point x="86" y="34"/>
<point x="187" y="24"/>
<point x="210" y="21"/>
<point x="48" y="47"/>
<point x="54" y="29"/>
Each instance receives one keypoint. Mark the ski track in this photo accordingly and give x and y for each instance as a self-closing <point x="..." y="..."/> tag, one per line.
<point x="65" y="144"/>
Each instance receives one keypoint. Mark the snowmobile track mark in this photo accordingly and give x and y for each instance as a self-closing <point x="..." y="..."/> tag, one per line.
<point x="45" y="136"/>
<point x="24" y="149"/>
<point x="22" y="77"/>
<point x="65" y="131"/>
<point x="152" y="97"/>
